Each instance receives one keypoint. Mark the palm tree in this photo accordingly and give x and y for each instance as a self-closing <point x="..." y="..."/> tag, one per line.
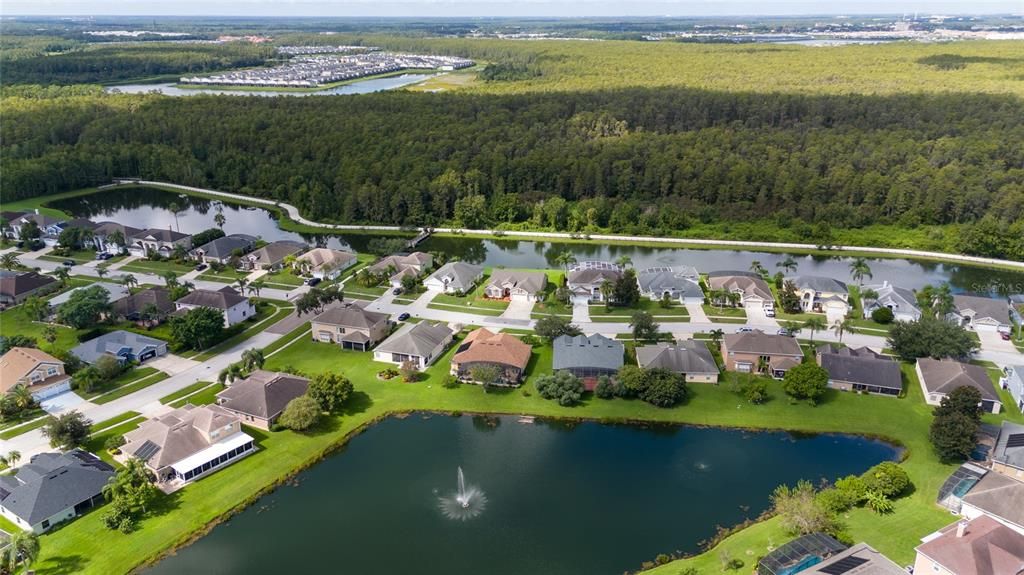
<point x="733" y="298"/>
<point x="255" y="286"/>
<point x="252" y="359"/>
<point x="757" y="268"/>
<point x="21" y="396"/>
<point x="789" y="264"/>
<point x="607" y="292"/>
<point x="9" y="261"/>
<point x="219" y="219"/>
<point x="565" y="259"/>
<point x="938" y="300"/>
<point x="242" y="282"/>
<point x="859" y="269"/>
<point x="116" y="238"/>
<point x="13" y="458"/>
<point x="129" y="281"/>
<point x="175" y="208"/>
<point x="36" y="307"/>
<point x="839" y="328"/>
<point x="62" y="274"/>
<point x="793" y="327"/>
<point x="624" y="261"/>
<point x="101" y="271"/>
<point x="132" y="481"/>
<point x="170" y="279"/>
<point x="716" y="336"/>
<point x="717" y="297"/>
<point x="814" y="324"/>
<point x="22" y="548"/>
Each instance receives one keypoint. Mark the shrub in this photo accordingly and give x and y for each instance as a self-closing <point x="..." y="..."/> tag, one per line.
<point x="834" y="501"/>
<point x="879" y="503"/>
<point x="300" y="414"/>
<point x="886" y="478"/>
<point x="450" y="382"/>
<point x="882" y="315"/>
<point x="409" y="371"/>
<point x="561" y="385"/>
<point x="114" y="442"/>
<point x="853" y="487"/>
<point x="605" y="388"/>
<point x="806" y="381"/>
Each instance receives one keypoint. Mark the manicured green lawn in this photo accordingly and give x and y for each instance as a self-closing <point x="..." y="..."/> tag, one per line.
<point x="227" y="275"/>
<point x="184" y="391"/>
<point x="473" y="300"/>
<point x="155" y="267"/>
<point x="95" y="445"/>
<point x="204" y="397"/>
<point x="354" y="290"/>
<point x="131" y="387"/>
<point x="467" y="307"/>
<point x="116" y="420"/>
<point x="99" y="551"/>
<point x="16" y="321"/>
<point x="283" y="278"/>
<point x="130" y="376"/>
<point x="21" y="418"/>
<point x="16" y="431"/>
<point x="724" y="311"/>
<point x="651" y="307"/>
<point x="267" y="314"/>
<point x="867" y="326"/>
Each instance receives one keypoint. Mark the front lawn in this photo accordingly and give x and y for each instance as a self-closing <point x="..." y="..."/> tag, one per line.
<point x="16" y="321"/>
<point x="130" y="386"/>
<point x="267" y="314"/>
<point x="205" y="397"/>
<point x="676" y="312"/>
<point x="158" y="267"/>
<point x="12" y="432"/>
<point x="80" y="257"/>
<point x="714" y="311"/>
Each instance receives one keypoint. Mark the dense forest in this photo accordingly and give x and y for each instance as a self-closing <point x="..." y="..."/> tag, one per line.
<point x="539" y="143"/>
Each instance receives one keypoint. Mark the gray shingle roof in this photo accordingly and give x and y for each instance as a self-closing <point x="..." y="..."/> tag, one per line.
<point x="1004" y="452"/>
<point x="869" y="562"/>
<point x="530" y="282"/>
<point x="114" y="293"/>
<point x="902" y="299"/>
<point x="350" y="315"/>
<point x="158" y="296"/>
<point x="160" y="235"/>
<point x="1000" y="496"/>
<point x="14" y="284"/>
<point x="685" y="356"/>
<point x="417" y="339"/>
<point x="457" y="275"/>
<point x="221" y="248"/>
<point x="820" y="283"/>
<point x="221" y="299"/>
<point x="53" y="482"/>
<point x="943" y="376"/>
<point x="861" y="366"/>
<point x="91" y="350"/>
<point x="263" y="394"/>
<point x="984" y="307"/>
<point x="660" y="280"/>
<point x="274" y="253"/>
<point x="594" y="275"/>
<point x="762" y="344"/>
<point x="580" y="351"/>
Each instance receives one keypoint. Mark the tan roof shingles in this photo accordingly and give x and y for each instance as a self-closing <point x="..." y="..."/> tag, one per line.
<point x="762" y="344"/>
<point x="179" y="433"/>
<point x="485" y="346"/>
<point x="18" y="362"/>
<point x="945" y="375"/>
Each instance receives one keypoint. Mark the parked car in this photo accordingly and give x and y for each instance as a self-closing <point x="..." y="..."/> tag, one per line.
<point x="69" y="263"/>
<point x="784" y="331"/>
<point x="313" y="281"/>
<point x="101" y="256"/>
<point x="201" y="267"/>
<point x="1005" y="335"/>
<point x="397" y="291"/>
<point x="769" y="312"/>
<point x="744" y="329"/>
<point x="403" y="316"/>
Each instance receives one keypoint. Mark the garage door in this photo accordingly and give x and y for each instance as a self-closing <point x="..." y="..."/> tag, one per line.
<point x="985" y="328"/>
<point x="52" y="391"/>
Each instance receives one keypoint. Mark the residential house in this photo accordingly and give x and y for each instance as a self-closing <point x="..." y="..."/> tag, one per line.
<point x="188" y="443"/>
<point x="939" y="377"/>
<point x="800" y="553"/>
<point x="901" y="301"/>
<point x="483" y="347"/>
<point x="351" y="326"/>
<point x="325" y="263"/>
<point x="113" y="238"/>
<point x="585" y="279"/>
<point x="35" y="369"/>
<point x="1008" y="453"/>
<point x="401" y="265"/>
<point x="677" y="285"/>
<point x="48" y="226"/>
<point x="235" y="307"/>
<point x="148" y="306"/>
<point x="687" y="357"/>
<point x="861" y="559"/>
<point x="1013" y="381"/>
<point x="751" y="288"/>
<point x="53" y="488"/>
<point x="516" y="285"/>
<point x="860" y="370"/>
<point x="981" y="314"/>
<point x="997" y="496"/>
<point x="825" y="295"/>
<point x="981" y="546"/>
<point x="419" y="343"/>
<point x="271" y="256"/>
<point x="261" y="398"/>
<point x="115" y="293"/>
<point x="754" y="351"/>
<point x="124" y="346"/>
<point x="158" y="241"/>
<point x="454" y="278"/>
<point x="587" y="357"/>
<point x="222" y="249"/>
<point x="16" y="286"/>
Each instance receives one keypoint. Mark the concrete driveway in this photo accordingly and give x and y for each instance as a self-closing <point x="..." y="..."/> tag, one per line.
<point x="991" y="341"/>
<point x="697" y="314"/>
<point x="518" y="309"/>
<point x="63" y="402"/>
<point x="580" y="312"/>
<point x="756" y="316"/>
<point x="171" y="364"/>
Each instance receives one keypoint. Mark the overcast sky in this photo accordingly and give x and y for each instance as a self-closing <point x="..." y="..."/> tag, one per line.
<point x="448" y="8"/>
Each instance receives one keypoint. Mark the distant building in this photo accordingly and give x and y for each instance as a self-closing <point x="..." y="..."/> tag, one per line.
<point x="454" y="277"/>
<point x="901" y="301"/>
<point x="235" y="307"/>
<point x="222" y="249"/>
<point x="158" y="241"/>
<point x="516" y="285"/>
<point x="260" y="399"/>
<point x="325" y="263"/>
<point x="420" y="343"/>
<point x="681" y="285"/>
<point x="52" y="488"/>
<point x="860" y="370"/>
<point x="982" y="546"/>
<point x="752" y="289"/>
<point x="690" y="358"/>
<point x="124" y="346"/>
<point x="15" y="287"/>
<point x="35" y="369"/>
<point x="981" y="314"/>
<point x="271" y="256"/>
<point x="940" y="377"/>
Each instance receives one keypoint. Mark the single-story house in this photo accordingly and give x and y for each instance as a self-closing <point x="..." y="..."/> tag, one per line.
<point x="901" y="301"/>
<point x="351" y="326"/>
<point x="754" y="351"/>
<point x="136" y="307"/>
<point x="585" y="279"/>
<point x="1008" y="453"/>
<point x="187" y="443"/>
<point x="222" y="249"/>
<point x="454" y="277"/>
<point x="235" y="307"/>
<point x="400" y="265"/>
<point x="47" y="226"/>
<point x="825" y="295"/>
<point x="115" y="292"/>
<point x="159" y="241"/>
<point x="124" y="346"/>
<point x="981" y="546"/>
<point x="661" y="282"/>
<point x="16" y="286"/>
<point x="516" y="285"/>
<point x="939" y="377"/>
<point x="52" y="488"/>
<point x="799" y="553"/>
<point x="271" y="256"/>
<point x="861" y="370"/>
<point x="861" y="559"/>
<point x="37" y="370"/>
<point x="687" y="357"/>
<point x="483" y="347"/>
<point x="999" y="497"/>
<point x="1013" y="381"/>
<point x="752" y="289"/>
<point x="421" y="343"/>
<point x="587" y="357"/>
<point x="981" y="313"/>
<point x="113" y="238"/>
<point x="325" y="263"/>
<point x="261" y="398"/>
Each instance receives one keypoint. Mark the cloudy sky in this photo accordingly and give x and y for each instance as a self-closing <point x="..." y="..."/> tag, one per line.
<point x="443" y="8"/>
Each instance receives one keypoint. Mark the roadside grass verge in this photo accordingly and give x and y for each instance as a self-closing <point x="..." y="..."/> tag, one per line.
<point x="16" y="431"/>
<point x="264" y="319"/>
<point x="113" y="421"/>
<point x="170" y="397"/>
<point x="130" y="388"/>
<point x="205" y="396"/>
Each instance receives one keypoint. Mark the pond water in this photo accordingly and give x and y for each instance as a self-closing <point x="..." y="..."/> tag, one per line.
<point x="148" y="207"/>
<point x="561" y="499"/>
<point x="360" y="87"/>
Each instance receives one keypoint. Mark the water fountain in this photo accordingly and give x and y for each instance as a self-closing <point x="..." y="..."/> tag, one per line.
<point x="465" y="503"/>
